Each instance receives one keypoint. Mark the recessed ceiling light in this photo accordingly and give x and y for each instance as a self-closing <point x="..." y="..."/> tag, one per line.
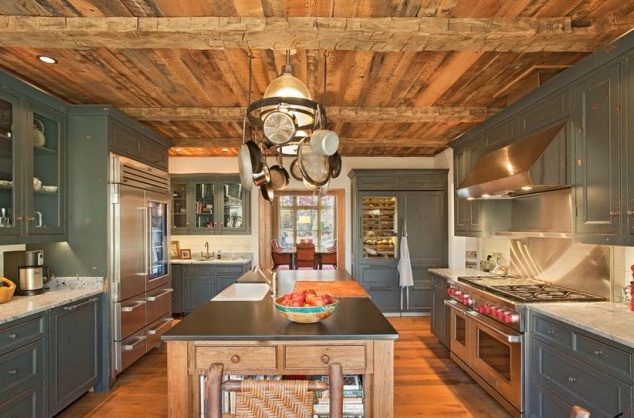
<point x="224" y="149"/>
<point x="47" y="60"/>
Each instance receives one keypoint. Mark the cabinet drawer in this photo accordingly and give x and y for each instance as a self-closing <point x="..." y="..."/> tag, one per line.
<point x="229" y="269"/>
<point x="129" y="316"/>
<point x="194" y="270"/>
<point x="563" y="374"/>
<point x="159" y="303"/>
<point x="552" y="331"/>
<point x="29" y="404"/>
<point x="156" y="329"/>
<point x="315" y="356"/>
<point x="131" y="349"/>
<point x="21" y="334"/>
<point x="237" y="357"/>
<point x="21" y="368"/>
<point x="617" y="362"/>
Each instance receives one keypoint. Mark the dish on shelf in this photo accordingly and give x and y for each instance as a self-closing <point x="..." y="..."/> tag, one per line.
<point x="49" y="189"/>
<point x="6" y="183"/>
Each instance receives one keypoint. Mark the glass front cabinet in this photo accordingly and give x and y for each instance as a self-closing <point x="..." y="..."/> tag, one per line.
<point x="210" y="204"/>
<point x="31" y="171"/>
<point x="379" y="228"/>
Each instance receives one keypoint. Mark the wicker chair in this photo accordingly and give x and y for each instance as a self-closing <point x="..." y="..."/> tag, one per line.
<point x="578" y="412"/>
<point x="329" y="257"/>
<point x="306" y="255"/>
<point x="279" y="257"/>
<point x="273" y="398"/>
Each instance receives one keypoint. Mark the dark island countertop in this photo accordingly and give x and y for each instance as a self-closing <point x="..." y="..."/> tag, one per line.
<point x="355" y="318"/>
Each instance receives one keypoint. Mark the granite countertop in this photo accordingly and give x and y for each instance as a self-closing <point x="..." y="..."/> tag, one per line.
<point x="211" y="261"/>
<point x="607" y="319"/>
<point x="453" y="274"/>
<point x="60" y="292"/>
<point x="355" y="318"/>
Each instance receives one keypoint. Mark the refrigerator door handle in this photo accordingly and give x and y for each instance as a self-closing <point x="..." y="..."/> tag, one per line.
<point x="146" y="240"/>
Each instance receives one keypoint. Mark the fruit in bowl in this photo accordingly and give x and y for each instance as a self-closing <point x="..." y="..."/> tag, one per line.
<point x="306" y="306"/>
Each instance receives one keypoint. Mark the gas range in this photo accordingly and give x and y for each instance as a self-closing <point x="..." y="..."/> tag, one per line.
<point x="503" y="298"/>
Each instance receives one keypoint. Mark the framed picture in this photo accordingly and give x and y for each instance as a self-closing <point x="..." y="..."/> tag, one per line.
<point x="175" y="249"/>
<point x="186" y="254"/>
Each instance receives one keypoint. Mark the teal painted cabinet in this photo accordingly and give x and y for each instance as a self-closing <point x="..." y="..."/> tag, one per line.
<point x="74" y="351"/>
<point x="439" y="311"/>
<point x="210" y="204"/>
<point x="569" y="366"/>
<point x="22" y="358"/>
<point x="384" y="204"/>
<point x="33" y="134"/>
<point x="598" y="133"/>
<point x="467" y="213"/>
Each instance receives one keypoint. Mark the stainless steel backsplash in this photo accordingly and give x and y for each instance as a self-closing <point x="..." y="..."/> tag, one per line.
<point x="560" y="261"/>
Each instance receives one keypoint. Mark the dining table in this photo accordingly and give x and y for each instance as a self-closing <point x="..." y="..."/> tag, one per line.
<point x="292" y="251"/>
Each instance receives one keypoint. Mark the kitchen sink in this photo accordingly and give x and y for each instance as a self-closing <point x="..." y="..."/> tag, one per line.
<point x="243" y="292"/>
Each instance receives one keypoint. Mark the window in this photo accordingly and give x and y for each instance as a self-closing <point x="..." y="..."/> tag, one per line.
<point x="306" y="217"/>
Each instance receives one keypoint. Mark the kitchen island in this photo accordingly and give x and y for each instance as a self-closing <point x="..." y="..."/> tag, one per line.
<point x="250" y="337"/>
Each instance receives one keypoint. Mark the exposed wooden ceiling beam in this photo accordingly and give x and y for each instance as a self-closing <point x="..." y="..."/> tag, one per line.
<point x="335" y="114"/>
<point x="520" y="34"/>
<point x="344" y="141"/>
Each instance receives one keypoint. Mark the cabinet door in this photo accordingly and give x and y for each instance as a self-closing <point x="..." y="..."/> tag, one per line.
<point x="628" y="139"/>
<point x="177" y="285"/>
<point x="11" y="128"/>
<point x="180" y="207"/>
<point x="205" y="209"/>
<point x="234" y="199"/>
<point x="467" y="213"/>
<point x="378" y="227"/>
<point x="598" y="157"/>
<point x="73" y="358"/>
<point x="381" y="283"/>
<point x="439" y="311"/>
<point x="44" y="178"/>
<point x="199" y="285"/>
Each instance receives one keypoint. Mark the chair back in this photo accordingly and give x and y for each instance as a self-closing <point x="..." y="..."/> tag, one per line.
<point x="273" y="398"/>
<point x="306" y="254"/>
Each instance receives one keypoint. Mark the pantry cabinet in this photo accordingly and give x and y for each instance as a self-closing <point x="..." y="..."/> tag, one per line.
<point x="386" y="204"/>
<point x="210" y="204"/>
<point x="570" y="366"/>
<point x="33" y="135"/>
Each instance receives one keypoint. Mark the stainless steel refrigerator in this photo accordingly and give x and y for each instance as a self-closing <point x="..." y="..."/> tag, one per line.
<point x="139" y="259"/>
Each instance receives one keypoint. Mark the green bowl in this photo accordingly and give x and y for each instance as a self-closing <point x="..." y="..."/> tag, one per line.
<point x="306" y="314"/>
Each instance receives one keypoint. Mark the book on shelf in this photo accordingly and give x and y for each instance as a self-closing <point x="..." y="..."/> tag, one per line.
<point x="348" y="408"/>
<point x="344" y="415"/>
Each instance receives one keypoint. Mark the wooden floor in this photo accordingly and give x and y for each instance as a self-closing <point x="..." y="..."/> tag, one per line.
<point x="426" y="384"/>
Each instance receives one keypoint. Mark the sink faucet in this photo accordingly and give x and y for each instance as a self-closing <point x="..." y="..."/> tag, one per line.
<point x="207" y="248"/>
<point x="269" y="277"/>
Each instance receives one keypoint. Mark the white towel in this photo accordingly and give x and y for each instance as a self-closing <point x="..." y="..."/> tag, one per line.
<point x="406" y="277"/>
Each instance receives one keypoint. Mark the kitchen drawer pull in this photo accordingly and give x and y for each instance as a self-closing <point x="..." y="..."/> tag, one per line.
<point x="598" y="352"/>
<point x="550" y="332"/>
<point x="630" y="212"/>
<point x="235" y="359"/>
<point x="13" y="372"/>
<point x="325" y="359"/>
<point x="130" y="347"/>
<point x="166" y="321"/>
<point x="133" y="307"/>
<point x="72" y="307"/>
<point x="153" y="298"/>
<point x="13" y="336"/>
<point x="572" y="379"/>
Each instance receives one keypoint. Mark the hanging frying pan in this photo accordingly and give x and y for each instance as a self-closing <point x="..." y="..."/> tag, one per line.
<point x="279" y="175"/>
<point x="335" y="165"/>
<point x="263" y="176"/>
<point x="295" y="171"/>
<point x="279" y="127"/>
<point x="267" y="191"/>
<point x="249" y="162"/>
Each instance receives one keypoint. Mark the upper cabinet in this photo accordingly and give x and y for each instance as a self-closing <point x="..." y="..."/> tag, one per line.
<point x="210" y="204"/>
<point x="32" y="168"/>
<point x="598" y="133"/>
<point x="467" y="213"/>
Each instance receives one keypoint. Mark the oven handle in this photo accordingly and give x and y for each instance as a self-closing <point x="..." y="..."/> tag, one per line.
<point x="457" y="306"/>
<point x="511" y="338"/>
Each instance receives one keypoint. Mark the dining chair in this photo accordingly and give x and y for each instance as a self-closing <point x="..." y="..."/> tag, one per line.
<point x="264" y="398"/>
<point x="305" y="256"/>
<point x="578" y="412"/>
<point x="280" y="258"/>
<point x="329" y="257"/>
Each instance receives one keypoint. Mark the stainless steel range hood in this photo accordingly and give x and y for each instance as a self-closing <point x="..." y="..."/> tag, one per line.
<point x="533" y="164"/>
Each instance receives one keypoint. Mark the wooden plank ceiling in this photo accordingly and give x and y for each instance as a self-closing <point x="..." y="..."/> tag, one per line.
<point x="403" y="77"/>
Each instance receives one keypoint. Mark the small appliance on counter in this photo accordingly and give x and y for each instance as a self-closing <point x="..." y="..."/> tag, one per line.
<point x="27" y="270"/>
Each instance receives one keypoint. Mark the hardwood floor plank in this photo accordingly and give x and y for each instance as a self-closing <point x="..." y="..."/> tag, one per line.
<point x="426" y="383"/>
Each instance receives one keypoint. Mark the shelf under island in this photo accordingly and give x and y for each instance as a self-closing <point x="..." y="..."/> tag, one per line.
<point x="250" y="337"/>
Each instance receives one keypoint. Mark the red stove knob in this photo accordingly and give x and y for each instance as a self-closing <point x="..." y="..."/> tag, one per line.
<point x="486" y="309"/>
<point x="493" y="311"/>
<point x="482" y="309"/>
<point x="501" y="314"/>
<point x="451" y="291"/>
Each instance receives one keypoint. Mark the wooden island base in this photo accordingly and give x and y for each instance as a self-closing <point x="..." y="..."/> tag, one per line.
<point x="371" y="358"/>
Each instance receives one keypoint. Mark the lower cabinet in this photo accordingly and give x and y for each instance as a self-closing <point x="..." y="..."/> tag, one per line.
<point x="73" y="352"/>
<point x="196" y="284"/>
<point x="569" y="366"/>
<point x="48" y="360"/>
<point x="439" y="311"/>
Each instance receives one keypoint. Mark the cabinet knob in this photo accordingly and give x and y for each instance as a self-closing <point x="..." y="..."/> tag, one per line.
<point x="13" y="336"/>
<point x="235" y="358"/>
<point x="325" y="359"/>
<point x="615" y="213"/>
<point x="13" y="372"/>
<point x="550" y="331"/>
<point x="630" y="212"/>
<point x="572" y="379"/>
<point x="598" y="352"/>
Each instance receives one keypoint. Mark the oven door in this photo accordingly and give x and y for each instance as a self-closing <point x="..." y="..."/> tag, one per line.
<point x="497" y="356"/>
<point x="459" y="331"/>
